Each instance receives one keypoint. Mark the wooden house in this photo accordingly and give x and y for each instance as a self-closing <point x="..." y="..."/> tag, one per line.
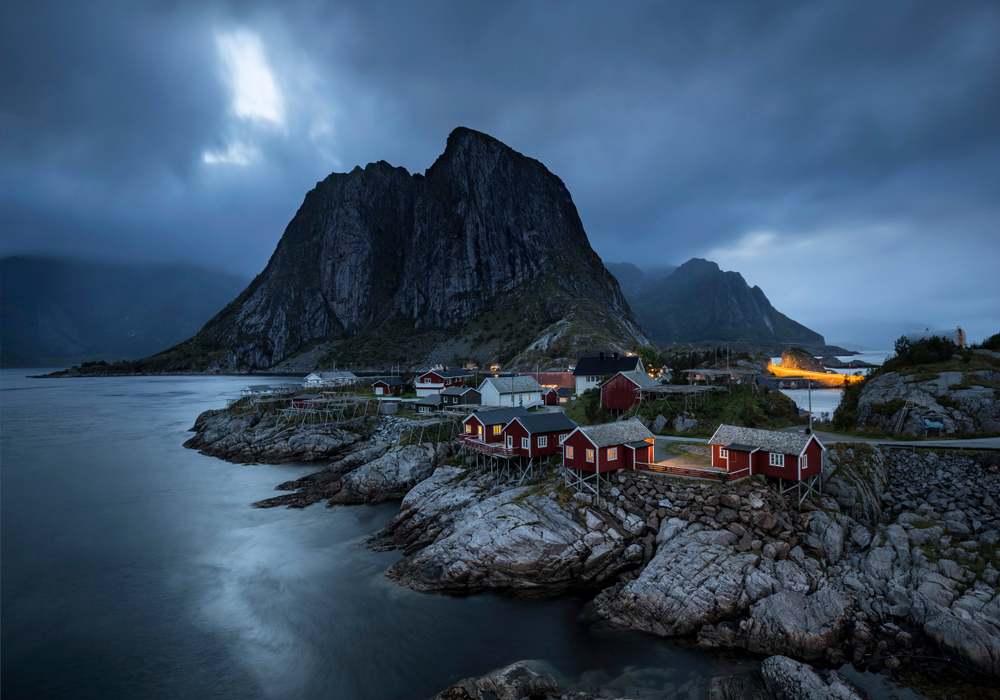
<point x="794" y="456"/>
<point x="510" y="391"/>
<point x="564" y="393"/>
<point x="435" y="381"/>
<point x="388" y="387"/>
<point x="537" y="434"/>
<point x="428" y="404"/>
<point x="603" y="448"/>
<point x="621" y="392"/>
<point x="487" y="426"/>
<point x="589" y="370"/>
<point x="460" y="396"/>
<point x="550" y="396"/>
<point x="331" y="379"/>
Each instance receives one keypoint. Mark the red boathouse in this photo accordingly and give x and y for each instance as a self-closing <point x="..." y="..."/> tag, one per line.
<point x="621" y="392"/>
<point x="537" y="434"/>
<point x="593" y="450"/>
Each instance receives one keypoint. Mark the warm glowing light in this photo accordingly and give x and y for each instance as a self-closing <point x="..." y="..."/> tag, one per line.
<point x="822" y="376"/>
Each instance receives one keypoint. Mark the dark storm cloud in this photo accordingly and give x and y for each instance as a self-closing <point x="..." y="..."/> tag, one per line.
<point x="755" y="132"/>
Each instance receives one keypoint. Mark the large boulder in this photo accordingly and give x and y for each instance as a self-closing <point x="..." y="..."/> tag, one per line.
<point x="521" y="679"/>
<point x="797" y="358"/>
<point x="781" y="678"/>
<point x="390" y="476"/>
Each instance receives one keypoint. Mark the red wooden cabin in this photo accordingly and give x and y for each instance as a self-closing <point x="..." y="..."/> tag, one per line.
<point x="487" y="426"/>
<point x="793" y="456"/>
<point x="621" y="392"/>
<point x="307" y="400"/>
<point x="436" y="380"/>
<point x="388" y="387"/>
<point x="537" y="434"/>
<point x="603" y="448"/>
<point x="550" y="397"/>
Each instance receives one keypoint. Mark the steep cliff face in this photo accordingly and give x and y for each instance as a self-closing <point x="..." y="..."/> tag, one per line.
<point x="378" y="249"/>
<point x="699" y="302"/>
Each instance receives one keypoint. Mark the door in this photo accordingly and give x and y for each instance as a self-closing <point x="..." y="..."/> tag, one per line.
<point x="480" y="433"/>
<point x="510" y="442"/>
<point x="378" y="391"/>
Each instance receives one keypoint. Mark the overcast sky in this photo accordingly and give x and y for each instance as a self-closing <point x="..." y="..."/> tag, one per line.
<point x="845" y="157"/>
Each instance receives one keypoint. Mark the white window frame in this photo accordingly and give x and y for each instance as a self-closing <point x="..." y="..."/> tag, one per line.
<point x="569" y="452"/>
<point x="543" y="441"/>
<point x="804" y="462"/>
<point x="510" y="442"/>
<point x="723" y="453"/>
<point x="525" y="444"/>
<point x="612" y="454"/>
<point x="562" y="438"/>
<point x="468" y="428"/>
<point x="591" y="455"/>
<point x="776" y="460"/>
<point x="497" y="429"/>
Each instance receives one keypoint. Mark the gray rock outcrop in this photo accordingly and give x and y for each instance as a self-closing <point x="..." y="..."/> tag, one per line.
<point x="781" y="678"/>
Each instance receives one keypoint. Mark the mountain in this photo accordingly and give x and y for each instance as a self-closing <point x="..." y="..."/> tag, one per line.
<point x="698" y="302"/>
<point x="634" y="282"/>
<point x="482" y="258"/>
<point x="56" y="312"/>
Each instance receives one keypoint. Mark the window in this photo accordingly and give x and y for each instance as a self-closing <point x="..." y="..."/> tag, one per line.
<point x="524" y="443"/>
<point x="569" y="452"/>
<point x="612" y="454"/>
<point x="804" y="461"/>
<point x="496" y="429"/>
<point x="723" y="453"/>
<point x="590" y="455"/>
<point x="468" y="428"/>
<point x="777" y="460"/>
<point x="562" y="438"/>
<point x="543" y="441"/>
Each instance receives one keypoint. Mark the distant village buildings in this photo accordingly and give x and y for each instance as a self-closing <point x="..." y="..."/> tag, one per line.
<point x="589" y="370"/>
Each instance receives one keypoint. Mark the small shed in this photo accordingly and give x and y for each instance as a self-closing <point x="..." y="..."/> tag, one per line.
<point x="388" y="387"/>
<point x="538" y="434"/>
<point x="487" y="426"/>
<point x="621" y="392"/>
<point x="550" y="396"/>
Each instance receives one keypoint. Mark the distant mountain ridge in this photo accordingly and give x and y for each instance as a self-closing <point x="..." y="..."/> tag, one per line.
<point x="482" y="257"/>
<point x="55" y="312"/>
<point x="699" y="302"/>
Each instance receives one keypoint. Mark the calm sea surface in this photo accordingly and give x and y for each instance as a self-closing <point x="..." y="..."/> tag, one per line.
<point x="827" y="400"/>
<point x="133" y="568"/>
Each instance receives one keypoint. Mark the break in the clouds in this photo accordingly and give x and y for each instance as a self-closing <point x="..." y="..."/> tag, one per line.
<point x="843" y="156"/>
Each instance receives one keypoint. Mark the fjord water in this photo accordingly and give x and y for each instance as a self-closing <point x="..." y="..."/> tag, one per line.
<point x="133" y="568"/>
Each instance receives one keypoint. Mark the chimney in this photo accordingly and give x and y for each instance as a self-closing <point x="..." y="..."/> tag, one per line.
<point x="602" y="355"/>
<point x="615" y="355"/>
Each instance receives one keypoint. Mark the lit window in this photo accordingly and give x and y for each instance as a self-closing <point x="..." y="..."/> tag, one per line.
<point x="777" y="460"/>
<point x="723" y="453"/>
<point x="590" y="455"/>
<point x="524" y="443"/>
<point x="612" y="454"/>
<point x="543" y="441"/>
<point x="497" y="429"/>
<point x="569" y="452"/>
<point x="562" y="438"/>
<point x="468" y="428"/>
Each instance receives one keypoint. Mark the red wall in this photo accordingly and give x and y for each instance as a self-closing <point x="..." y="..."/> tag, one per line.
<point x="580" y="446"/>
<point x="619" y="393"/>
<point x="387" y="389"/>
<point x="551" y="398"/>
<point x="488" y="435"/>
<point x="762" y="465"/>
<point x="815" y="461"/>
<point x="517" y="431"/>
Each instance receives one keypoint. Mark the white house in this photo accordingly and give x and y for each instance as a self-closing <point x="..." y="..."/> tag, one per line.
<point x="335" y="378"/>
<point x="435" y="381"/>
<point x="510" y="391"/>
<point x="589" y="370"/>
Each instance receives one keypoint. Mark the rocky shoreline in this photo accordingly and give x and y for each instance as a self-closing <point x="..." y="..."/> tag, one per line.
<point x="897" y="558"/>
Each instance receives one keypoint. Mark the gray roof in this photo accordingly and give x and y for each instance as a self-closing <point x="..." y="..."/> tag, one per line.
<point x="456" y="390"/>
<point x="500" y="416"/>
<point x="309" y="396"/>
<point x="790" y="443"/>
<point x="449" y="373"/>
<point x="619" y="433"/>
<point x="338" y="374"/>
<point x="564" y="391"/>
<point x="736" y="447"/>
<point x="546" y="422"/>
<point x="639" y="444"/>
<point x="641" y="379"/>
<point x="390" y="382"/>
<point x="260" y="387"/>
<point x="431" y="400"/>
<point x="512" y="385"/>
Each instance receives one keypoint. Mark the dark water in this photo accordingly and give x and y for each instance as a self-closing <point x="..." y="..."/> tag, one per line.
<point x="133" y="568"/>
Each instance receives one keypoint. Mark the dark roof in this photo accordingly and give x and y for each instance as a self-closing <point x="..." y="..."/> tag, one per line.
<point x="736" y="447"/>
<point x="309" y="396"/>
<point x="596" y="367"/>
<point x="448" y="373"/>
<point x="456" y="390"/>
<point x="637" y="445"/>
<point x="545" y="422"/>
<point x="564" y="391"/>
<point x="390" y="382"/>
<point x="500" y="416"/>
<point x="432" y="400"/>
